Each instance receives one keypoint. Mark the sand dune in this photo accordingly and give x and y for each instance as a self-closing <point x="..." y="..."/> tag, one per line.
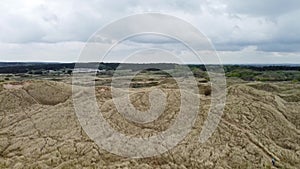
<point x="39" y="129"/>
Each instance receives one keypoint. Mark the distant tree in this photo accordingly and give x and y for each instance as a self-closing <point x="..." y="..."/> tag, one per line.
<point x="38" y="72"/>
<point x="70" y="72"/>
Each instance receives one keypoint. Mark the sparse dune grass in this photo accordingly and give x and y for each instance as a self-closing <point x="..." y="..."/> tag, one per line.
<point x="1" y="87"/>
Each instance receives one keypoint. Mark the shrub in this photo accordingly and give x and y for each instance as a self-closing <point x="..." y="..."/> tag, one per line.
<point x="69" y="72"/>
<point x="207" y="91"/>
<point x="1" y="88"/>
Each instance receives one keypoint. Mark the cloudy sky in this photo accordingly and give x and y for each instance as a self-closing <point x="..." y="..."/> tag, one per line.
<point x="257" y="31"/>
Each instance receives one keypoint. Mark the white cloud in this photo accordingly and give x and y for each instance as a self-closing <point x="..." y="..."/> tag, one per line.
<point x="53" y="29"/>
<point x="50" y="52"/>
<point x="268" y="8"/>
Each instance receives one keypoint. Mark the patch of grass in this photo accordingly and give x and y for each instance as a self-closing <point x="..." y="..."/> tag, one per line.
<point x="207" y="91"/>
<point x="145" y="84"/>
<point x="57" y="80"/>
<point x="295" y="81"/>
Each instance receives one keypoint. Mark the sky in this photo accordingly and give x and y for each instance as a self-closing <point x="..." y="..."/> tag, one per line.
<point x="242" y="32"/>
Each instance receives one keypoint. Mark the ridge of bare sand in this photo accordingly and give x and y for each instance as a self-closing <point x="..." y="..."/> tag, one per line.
<point x="39" y="129"/>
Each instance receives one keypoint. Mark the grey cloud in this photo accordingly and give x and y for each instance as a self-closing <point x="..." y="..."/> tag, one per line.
<point x="229" y="47"/>
<point x="19" y="29"/>
<point x="232" y="25"/>
<point x="156" y="39"/>
<point x="280" y="47"/>
<point x="269" y="8"/>
<point x="77" y="20"/>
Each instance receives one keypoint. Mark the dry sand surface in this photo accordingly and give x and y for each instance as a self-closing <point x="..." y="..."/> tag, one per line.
<point x="39" y="129"/>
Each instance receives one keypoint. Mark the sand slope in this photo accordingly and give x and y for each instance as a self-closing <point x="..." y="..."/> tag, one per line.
<point x="39" y="129"/>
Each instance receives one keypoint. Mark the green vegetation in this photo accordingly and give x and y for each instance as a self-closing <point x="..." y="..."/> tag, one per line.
<point x="252" y="75"/>
<point x="244" y="72"/>
<point x="264" y="73"/>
